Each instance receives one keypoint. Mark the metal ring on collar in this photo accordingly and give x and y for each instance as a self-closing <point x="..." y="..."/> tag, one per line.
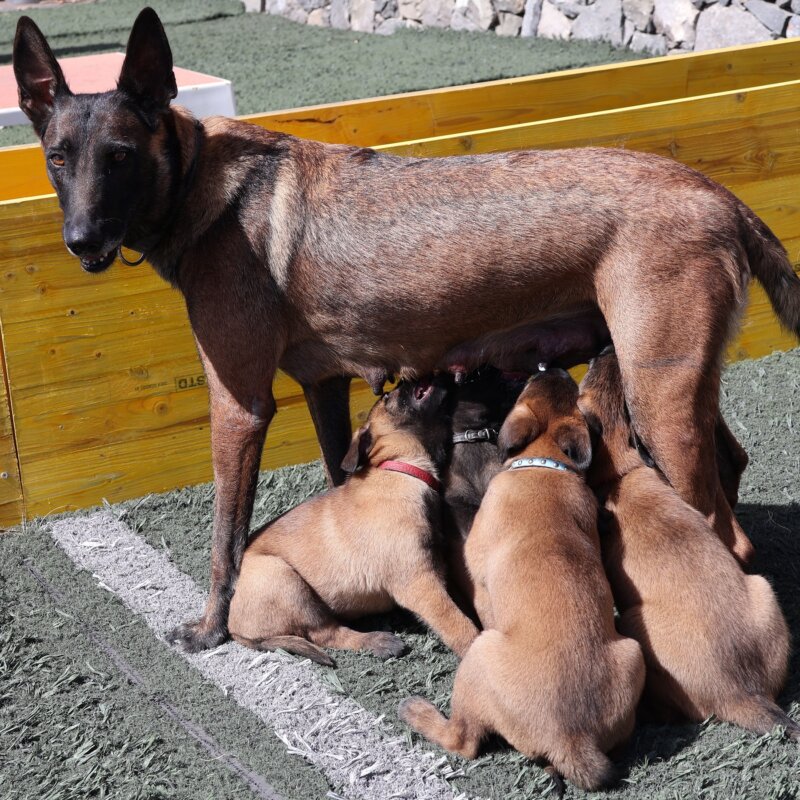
<point x="125" y="260"/>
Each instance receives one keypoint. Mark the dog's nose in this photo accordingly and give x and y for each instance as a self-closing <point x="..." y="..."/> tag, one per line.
<point x="83" y="240"/>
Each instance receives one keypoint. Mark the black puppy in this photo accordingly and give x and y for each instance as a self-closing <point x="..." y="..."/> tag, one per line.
<point x="482" y="402"/>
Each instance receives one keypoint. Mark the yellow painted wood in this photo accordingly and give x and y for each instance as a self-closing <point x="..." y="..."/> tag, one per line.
<point x="103" y="375"/>
<point x="419" y="115"/>
<point x="11" y="507"/>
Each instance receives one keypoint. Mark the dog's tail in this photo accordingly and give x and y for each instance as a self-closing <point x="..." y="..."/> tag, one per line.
<point x="583" y="763"/>
<point x="296" y="645"/>
<point x="759" y="714"/>
<point x="770" y="264"/>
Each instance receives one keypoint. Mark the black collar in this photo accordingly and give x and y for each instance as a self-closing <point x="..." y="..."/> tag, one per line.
<point x="475" y="435"/>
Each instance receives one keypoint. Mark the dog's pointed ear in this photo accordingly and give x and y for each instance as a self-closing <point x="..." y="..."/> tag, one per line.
<point x="39" y="77"/>
<point x="575" y="443"/>
<point x="147" y="74"/>
<point x="520" y="428"/>
<point x="358" y="452"/>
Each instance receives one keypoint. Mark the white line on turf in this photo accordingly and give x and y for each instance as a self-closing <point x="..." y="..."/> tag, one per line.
<point x="359" y="753"/>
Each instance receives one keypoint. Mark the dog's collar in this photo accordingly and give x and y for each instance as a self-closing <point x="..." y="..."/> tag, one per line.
<point x="545" y="463"/>
<point x="475" y="435"/>
<point x="415" y="472"/>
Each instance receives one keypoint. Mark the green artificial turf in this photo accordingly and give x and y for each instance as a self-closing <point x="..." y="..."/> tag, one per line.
<point x="276" y="64"/>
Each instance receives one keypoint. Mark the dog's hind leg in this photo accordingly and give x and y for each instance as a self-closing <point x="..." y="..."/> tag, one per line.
<point x="329" y="404"/>
<point x="670" y="361"/>
<point x="380" y="643"/>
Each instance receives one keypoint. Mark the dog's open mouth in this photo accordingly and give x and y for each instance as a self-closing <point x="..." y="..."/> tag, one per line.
<point x="98" y="263"/>
<point x="423" y="389"/>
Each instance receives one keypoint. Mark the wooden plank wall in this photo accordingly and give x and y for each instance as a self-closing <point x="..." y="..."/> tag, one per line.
<point x="108" y="395"/>
<point x="104" y="380"/>
<point x="418" y="115"/>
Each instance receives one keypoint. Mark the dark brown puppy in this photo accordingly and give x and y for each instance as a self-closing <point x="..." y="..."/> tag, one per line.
<point x="330" y="261"/>
<point x="714" y="639"/>
<point x="482" y="402"/>
<point x="549" y="673"/>
<point x="359" y="549"/>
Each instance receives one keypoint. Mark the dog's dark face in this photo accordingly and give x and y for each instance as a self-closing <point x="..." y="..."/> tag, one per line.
<point x="547" y="413"/>
<point x="414" y="409"/>
<point x="105" y="152"/>
<point x="485" y="398"/>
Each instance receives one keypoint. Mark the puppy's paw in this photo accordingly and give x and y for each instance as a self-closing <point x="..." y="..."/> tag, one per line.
<point x="196" y="636"/>
<point x="385" y="645"/>
<point x="414" y="710"/>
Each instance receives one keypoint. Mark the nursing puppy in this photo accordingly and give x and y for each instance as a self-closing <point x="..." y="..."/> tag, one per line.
<point x="482" y="402"/>
<point x="714" y="639"/>
<point x="550" y="673"/>
<point x="361" y="548"/>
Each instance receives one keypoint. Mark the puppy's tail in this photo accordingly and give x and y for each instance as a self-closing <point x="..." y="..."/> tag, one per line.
<point x="295" y="645"/>
<point x="770" y="264"/>
<point x="583" y="763"/>
<point x="759" y="714"/>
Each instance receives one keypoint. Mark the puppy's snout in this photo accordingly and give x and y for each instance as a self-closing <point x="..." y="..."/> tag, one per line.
<point x="83" y="239"/>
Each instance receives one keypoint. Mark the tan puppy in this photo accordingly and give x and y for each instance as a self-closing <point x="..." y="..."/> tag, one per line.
<point x="550" y="674"/>
<point x="361" y="548"/>
<point x="714" y="639"/>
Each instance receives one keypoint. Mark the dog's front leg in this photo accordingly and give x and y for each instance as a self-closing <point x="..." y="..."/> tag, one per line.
<point x="239" y="422"/>
<point x="329" y="404"/>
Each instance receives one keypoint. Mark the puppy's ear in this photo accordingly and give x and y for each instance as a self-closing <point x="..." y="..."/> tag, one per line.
<point x="147" y="74"/>
<point x="358" y="452"/>
<point x="39" y="77"/>
<point x="520" y="428"/>
<point x="576" y="444"/>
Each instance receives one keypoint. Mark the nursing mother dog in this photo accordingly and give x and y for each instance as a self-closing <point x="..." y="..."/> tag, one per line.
<point x="330" y="261"/>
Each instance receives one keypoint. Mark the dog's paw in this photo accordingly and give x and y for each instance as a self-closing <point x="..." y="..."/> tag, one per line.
<point x="410" y="708"/>
<point x="196" y="636"/>
<point x="386" y="645"/>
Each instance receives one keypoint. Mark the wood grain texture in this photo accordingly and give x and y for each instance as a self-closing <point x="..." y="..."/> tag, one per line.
<point x="420" y="115"/>
<point x="12" y="510"/>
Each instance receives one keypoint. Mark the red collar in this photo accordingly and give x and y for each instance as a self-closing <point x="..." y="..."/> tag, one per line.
<point x="415" y="472"/>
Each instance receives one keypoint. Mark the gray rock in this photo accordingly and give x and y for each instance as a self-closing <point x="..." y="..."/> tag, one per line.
<point x="510" y="6"/>
<point x="793" y="28"/>
<point x="676" y="20"/>
<point x="769" y="14"/>
<point x="311" y="5"/>
<point x="289" y="9"/>
<point x="410" y="9"/>
<point x="473" y="15"/>
<point x="796" y="6"/>
<point x="552" y="23"/>
<point x="639" y="12"/>
<point x="601" y="21"/>
<point x="320" y="17"/>
<point x="362" y="16"/>
<point x="628" y="29"/>
<point x="390" y="26"/>
<point x="530" y="18"/>
<point x="569" y="8"/>
<point x="437" y="13"/>
<point x="340" y="14"/>
<point x="719" y="26"/>
<point x="655" y="43"/>
<point x="783" y="3"/>
<point x="508" y="24"/>
<point x="386" y="8"/>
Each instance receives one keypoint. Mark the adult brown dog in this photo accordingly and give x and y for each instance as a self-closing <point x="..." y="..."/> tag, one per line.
<point x="330" y="261"/>
<point x="714" y="639"/>
<point x="549" y="672"/>
<point x="361" y="548"/>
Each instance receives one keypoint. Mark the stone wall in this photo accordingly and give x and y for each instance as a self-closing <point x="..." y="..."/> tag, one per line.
<point x="654" y="26"/>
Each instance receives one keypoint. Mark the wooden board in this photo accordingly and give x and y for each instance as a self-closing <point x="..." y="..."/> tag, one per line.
<point x="11" y="507"/>
<point x="108" y="393"/>
<point x="418" y="115"/>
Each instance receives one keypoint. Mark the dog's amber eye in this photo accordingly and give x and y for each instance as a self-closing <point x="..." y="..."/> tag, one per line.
<point x="57" y="160"/>
<point x="120" y="155"/>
